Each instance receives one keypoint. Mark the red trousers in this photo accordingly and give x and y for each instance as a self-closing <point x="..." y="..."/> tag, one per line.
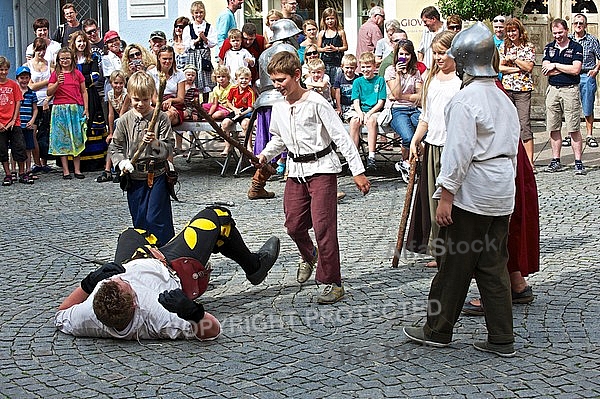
<point x="314" y="204"/>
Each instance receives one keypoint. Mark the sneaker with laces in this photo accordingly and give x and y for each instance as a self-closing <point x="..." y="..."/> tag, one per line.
<point x="331" y="294"/>
<point x="305" y="268"/>
<point x="554" y="166"/>
<point x="580" y="169"/>
<point x="36" y="169"/>
<point x="502" y="350"/>
<point x="404" y="169"/>
<point x="566" y="142"/>
<point x="46" y="169"/>
<point x="371" y="165"/>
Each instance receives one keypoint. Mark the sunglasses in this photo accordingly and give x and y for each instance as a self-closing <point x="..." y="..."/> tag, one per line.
<point x="311" y="53"/>
<point x="454" y="27"/>
<point x="135" y="55"/>
<point x="501" y="20"/>
<point x="91" y="32"/>
<point x="180" y="26"/>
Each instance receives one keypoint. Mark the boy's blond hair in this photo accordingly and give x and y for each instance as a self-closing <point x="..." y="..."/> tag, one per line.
<point x="367" y="58"/>
<point x="4" y="62"/>
<point x="220" y="70"/>
<point x="141" y="85"/>
<point x="349" y="59"/>
<point x="242" y="71"/>
<point x="116" y="74"/>
<point x="284" y="62"/>
<point x="234" y="34"/>
<point x="316" y="64"/>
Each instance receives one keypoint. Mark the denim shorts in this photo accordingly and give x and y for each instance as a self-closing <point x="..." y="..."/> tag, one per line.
<point x="587" y="87"/>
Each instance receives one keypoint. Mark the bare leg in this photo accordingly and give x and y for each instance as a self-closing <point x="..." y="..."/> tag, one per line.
<point x="65" y="165"/>
<point x="529" y="149"/>
<point x="555" y="142"/>
<point x="577" y="144"/>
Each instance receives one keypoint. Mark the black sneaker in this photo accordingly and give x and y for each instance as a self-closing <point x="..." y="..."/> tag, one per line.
<point x="104" y="177"/>
<point x="566" y="142"/>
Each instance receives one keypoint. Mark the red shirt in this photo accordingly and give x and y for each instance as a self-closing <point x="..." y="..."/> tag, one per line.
<point x="241" y="98"/>
<point x="10" y="98"/>
<point x="257" y="47"/>
<point x="69" y="92"/>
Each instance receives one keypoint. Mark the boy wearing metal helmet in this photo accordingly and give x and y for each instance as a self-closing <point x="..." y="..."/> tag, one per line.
<point x="476" y="192"/>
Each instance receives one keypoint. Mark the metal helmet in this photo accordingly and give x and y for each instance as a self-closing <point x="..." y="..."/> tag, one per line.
<point x="473" y="51"/>
<point x="265" y="84"/>
<point x="283" y="29"/>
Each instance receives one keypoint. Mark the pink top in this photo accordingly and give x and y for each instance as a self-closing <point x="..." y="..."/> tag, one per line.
<point x="70" y="91"/>
<point x="368" y="35"/>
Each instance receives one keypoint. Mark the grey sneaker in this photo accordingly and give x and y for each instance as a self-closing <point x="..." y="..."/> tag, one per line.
<point x="554" y="166"/>
<point x="580" y="169"/>
<point x="371" y="165"/>
<point x="504" y="350"/>
<point x="331" y="294"/>
<point x="305" y="268"/>
<point x="417" y="334"/>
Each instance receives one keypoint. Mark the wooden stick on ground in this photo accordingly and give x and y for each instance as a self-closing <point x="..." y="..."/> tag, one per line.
<point x="405" y="212"/>
<point x="239" y="146"/>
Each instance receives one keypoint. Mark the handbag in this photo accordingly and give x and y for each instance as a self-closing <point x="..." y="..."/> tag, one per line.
<point x="385" y="116"/>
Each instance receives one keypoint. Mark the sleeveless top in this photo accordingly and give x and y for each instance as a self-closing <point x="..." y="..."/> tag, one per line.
<point x="38" y="77"/>
<point x="334" y="58"/>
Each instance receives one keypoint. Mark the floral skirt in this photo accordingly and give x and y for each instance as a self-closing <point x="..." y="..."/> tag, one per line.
<point x="67" y="130"/>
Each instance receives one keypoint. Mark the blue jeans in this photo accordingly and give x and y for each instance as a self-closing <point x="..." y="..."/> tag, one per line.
<point x="404" y="122"/>
<point x="587" y="88"/>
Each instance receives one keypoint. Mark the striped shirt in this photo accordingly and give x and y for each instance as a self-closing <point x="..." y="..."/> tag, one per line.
<point x="26" y="108"/>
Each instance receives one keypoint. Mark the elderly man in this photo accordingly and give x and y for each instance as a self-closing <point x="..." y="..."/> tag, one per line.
<point x="158" y="38"/>
<point x="370" y="32"/>
<point x="587" y="76"/>
<point x="562" y="65"/>
<point x="64" y="31"/>
<point x="483" y="135"/>
<point x="147" y="293"/>
<point x="433" y="25"/>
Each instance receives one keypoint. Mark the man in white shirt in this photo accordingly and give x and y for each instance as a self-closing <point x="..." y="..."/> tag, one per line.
<point x="476" y="189"/>
<point x="432" y="20"/>
<point x="147" y="293"/>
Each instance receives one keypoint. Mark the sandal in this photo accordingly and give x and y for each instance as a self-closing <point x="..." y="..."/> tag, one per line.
<point x="591" y="141"/>
<point x="104" y="177"/>
<point x="7" y="181"/>
<point x="25" y="179"/>
<point x="566" y="142"/>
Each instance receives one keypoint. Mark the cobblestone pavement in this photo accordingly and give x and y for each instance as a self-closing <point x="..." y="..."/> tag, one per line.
<point x="276" y="342"/>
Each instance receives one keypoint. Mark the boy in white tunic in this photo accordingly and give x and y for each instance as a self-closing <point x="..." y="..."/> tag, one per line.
<point x="308" y="126"/>
<point x="476" y="189"/>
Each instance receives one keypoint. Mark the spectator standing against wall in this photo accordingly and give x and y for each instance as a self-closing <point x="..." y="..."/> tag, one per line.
<point x="226" y="21"/>
<point x="562" y="64"/>
<point x="432" y="20"/>
<point x="370" y="32"/>
<point x="64" y="31"/>
<point x="41" y="27"/>
<point x="587" y="76"/>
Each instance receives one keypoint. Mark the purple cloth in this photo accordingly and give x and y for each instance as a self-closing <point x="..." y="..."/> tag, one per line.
<point x="263" y="121"/>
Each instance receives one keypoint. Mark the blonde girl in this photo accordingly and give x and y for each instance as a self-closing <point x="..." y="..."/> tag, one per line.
<point x="272" y="16"/>
<point x="217" y="107"/>
<point x="331" y="42"/>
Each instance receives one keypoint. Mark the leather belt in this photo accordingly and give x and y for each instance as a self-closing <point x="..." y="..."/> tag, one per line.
<point x="146" y="166"/>
<point x="310" y="157"/>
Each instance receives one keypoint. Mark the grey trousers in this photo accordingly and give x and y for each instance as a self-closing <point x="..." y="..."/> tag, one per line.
<point x="473" y="246"/>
